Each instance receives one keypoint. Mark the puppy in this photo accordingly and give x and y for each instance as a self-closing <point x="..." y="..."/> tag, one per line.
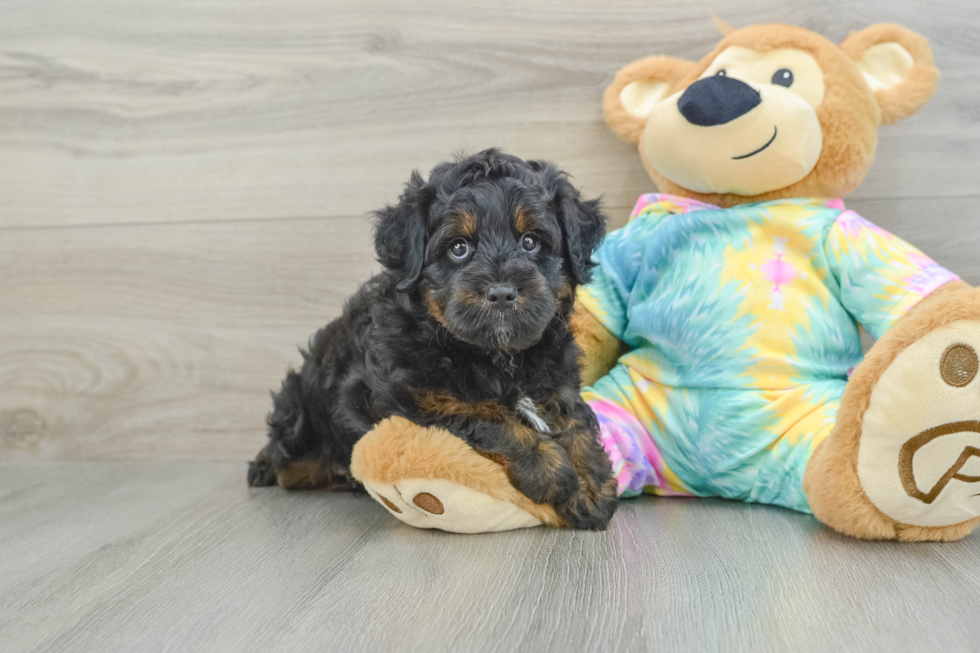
<point x="465" y="329"/>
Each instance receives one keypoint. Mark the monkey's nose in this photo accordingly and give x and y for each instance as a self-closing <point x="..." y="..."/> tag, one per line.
<point x="501" y="296"/>
<point x="716" y="100"/>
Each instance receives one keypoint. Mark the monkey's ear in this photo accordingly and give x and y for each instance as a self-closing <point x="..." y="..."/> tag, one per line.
<point x="897" y="65"/>
<point x="400" y="234"/>
<point x="723" y="28"/>
<point x="638" y="88"/>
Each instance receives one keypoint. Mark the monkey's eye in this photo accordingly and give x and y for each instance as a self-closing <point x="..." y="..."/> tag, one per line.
<point x="721" y="73"/>
<point x="783" y="77"/>
<point x="459" y="249"/>
<point x="530" y="243"/>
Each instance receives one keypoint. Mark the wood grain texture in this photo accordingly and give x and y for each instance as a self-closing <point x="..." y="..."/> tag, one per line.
<point x="122" y="111"/>
<point x="162" y="341"/>
<point x="182" y="556"/>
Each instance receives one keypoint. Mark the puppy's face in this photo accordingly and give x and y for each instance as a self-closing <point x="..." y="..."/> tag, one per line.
<point x="504" y="243"/>
<point x="493" y="273"/>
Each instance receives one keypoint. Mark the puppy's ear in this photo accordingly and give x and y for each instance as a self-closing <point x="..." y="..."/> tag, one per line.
<point x="400" y="234"/>
<point x="583" y="225"/>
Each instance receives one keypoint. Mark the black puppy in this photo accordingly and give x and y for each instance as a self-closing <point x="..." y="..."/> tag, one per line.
<point x="466" y="329"/>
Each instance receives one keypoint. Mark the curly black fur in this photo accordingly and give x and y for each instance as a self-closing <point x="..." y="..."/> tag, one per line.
<point x="458" y="341"/>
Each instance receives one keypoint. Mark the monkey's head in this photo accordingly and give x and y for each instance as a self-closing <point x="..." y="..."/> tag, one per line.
<point x="774" y="111"/>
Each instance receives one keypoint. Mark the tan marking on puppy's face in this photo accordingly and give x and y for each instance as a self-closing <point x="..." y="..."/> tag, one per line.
<point x="471" y="298"/>
<point x="435" y="309"/>
<point x="523" y="220"/>
<point x="565" y="292"/>
<point x="464" y="225"/>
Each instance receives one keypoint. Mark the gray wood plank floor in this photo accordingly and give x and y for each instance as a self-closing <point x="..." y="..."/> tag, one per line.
<point x="182" y="556"/>
<point x="184" y="189"/>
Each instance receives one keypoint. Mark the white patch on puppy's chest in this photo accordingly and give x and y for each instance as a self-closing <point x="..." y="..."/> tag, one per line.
<point x="529" y="412"/>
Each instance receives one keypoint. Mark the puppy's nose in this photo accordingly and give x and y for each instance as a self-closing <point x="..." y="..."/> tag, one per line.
<point x="716" y="100"/>
<point x="501" y="296"/>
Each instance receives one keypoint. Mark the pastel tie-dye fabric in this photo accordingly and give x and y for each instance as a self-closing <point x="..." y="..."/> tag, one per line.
<point x="743" y="329"/>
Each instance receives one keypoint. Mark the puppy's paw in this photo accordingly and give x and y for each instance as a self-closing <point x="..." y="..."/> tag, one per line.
<point x="546" y="478"/>
<point x="260" y="471"/>
<point x="591" y="510"/>
<point x="444" y="505"/>
<point x="429" y="478"/>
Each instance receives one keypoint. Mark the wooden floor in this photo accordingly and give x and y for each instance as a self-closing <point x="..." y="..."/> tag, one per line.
<point x="184" y="189"/>
<point x="182" y="556"/>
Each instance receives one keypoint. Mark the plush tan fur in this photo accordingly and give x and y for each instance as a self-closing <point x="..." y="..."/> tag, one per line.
<point x="908" y="97"/>
<point x="396" y="449"/>
<point x="600" y="348"/>
<point x="831" y="480"/>
<point x="676" y="72"/>
<point x="849" y="114"/>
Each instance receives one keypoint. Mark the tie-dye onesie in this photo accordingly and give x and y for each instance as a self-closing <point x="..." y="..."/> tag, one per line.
<point x="743" y="329"/>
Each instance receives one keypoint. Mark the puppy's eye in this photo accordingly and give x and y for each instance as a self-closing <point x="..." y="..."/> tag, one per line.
<point x="459" y="249"/>
<point x="530" y="243"/>
<point x="783" y="77"/>
<point x="721" y="73"/>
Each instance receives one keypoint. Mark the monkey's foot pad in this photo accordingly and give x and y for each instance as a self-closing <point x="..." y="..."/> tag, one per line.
<point x="429" y="478"/>
<point x="919" y="456"/>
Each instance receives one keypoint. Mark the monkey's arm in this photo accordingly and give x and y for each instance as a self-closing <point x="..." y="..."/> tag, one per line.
<point x="880" y="277"/>
<point x="600" y="348"/>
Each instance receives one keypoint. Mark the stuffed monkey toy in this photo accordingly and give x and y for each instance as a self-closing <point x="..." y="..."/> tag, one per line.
<point x="720" y="333"/>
